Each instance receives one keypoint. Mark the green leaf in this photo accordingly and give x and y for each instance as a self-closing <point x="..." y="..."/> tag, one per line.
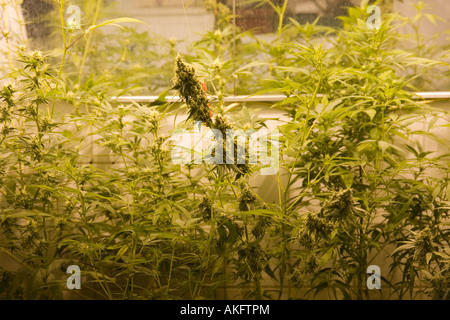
<point x="327" y="256"/>
<point x="432" y="122"/>
<point x="161" y="98"/>
<point x="383" y="145"/>
<point x="67" y="133"/>
<point x="371" y="113"/>
<point x="430" y="18"/>
<point x="348" y="179"/>
<point x="429" y="255"/>
<point x="435" y="192"/>
<point x="249" y="65"/>
<point x="403" y="247"/>
<point x="121" y="252"/>
<point x="442" y="255"/>
<point x="319" y="108"/>
<point x="270" y="272"/>
<point x="113" y="22"/>
<point x="426" y="274"/>
<point x="365" y="144"/>
<point x="332" y="105"/>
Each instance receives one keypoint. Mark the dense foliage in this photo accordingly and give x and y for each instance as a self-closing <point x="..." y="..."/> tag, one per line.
<point x="355" y="184"/>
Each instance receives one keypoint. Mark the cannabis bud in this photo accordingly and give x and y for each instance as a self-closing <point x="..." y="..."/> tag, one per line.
<point x="305" y="239"/>
<point x="7" y="93"/>
<point x="240" y="163"/>
<point x="340" y="206"/>
<point x="205" y="208"/>
<point x="318" y="225"/>
<point x="192" y="92"/>
<point x="251" y="257"/>
<point x="246" y="198"/>
<point x="260" y="227"/>
<point x="423" y="244"/>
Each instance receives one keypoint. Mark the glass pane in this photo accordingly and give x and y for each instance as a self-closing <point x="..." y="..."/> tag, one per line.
<point x="190" y="27"/>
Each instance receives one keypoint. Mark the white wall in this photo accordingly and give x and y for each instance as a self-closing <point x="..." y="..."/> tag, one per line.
<point x="11" y="20"/>
<point x="183" y="20"/>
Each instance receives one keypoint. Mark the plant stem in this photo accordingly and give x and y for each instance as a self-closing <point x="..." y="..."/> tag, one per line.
<point x="6" y="34"/>
<point x="20" y="20"/>
<point x="281" y="19"/>
<point x="88" y="41"/>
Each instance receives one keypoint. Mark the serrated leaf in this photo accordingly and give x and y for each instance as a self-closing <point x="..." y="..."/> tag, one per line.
<point x="371" y="113"/>
<point x="364" y="145"/>
<point x="332" y="105"/>
<point x="403" y="247"/>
